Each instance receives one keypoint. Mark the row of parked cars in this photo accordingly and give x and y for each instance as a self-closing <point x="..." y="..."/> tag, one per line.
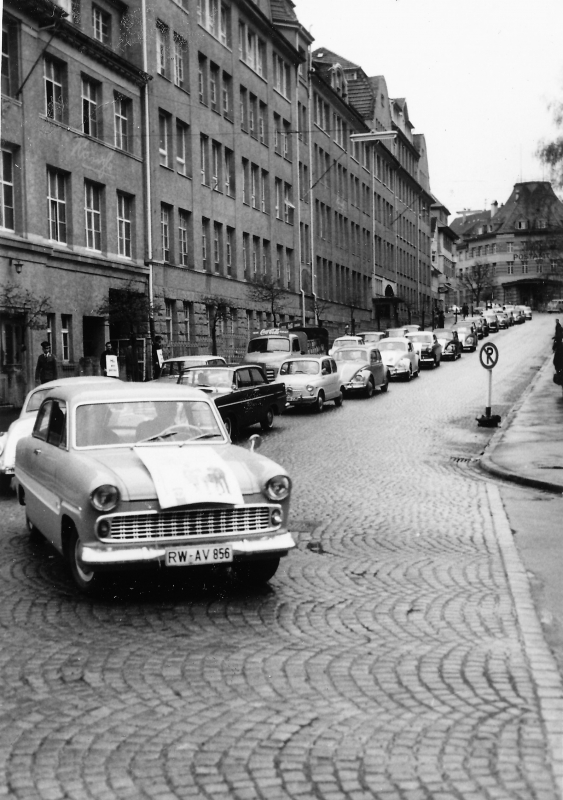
<point x="119" y="476"/>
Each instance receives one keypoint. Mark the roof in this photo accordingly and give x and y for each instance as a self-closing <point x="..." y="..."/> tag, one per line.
<point x="283" y="11"/>
<point x="121" y="391"/>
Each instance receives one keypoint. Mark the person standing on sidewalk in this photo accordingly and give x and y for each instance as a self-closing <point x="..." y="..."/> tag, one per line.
<point x="46" y="369"/>
<point x="558" y="338"/>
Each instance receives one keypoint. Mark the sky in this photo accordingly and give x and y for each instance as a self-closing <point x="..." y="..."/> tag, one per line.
<point x="480" y="78"/>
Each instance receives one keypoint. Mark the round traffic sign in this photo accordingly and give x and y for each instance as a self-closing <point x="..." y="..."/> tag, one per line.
<point x="488" y="355"/>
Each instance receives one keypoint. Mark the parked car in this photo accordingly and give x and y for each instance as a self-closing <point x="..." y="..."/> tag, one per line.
<point x="373" y="337"/>
<point x="412" y="328"/>
<point x="519" y="315"/>
<point x="23" y="426"/>
<point x="311" y="381"/>
<point x="144" y="475"/>
<point x="428" y="348"/>
<point x="242" y="394"/>
<point x="451" y="346"/>
<point x="480" y="325"/>
<point x="345" y="341"/>
<point x="527" y="312"/>
<point x="509" y="311"/>
<point x="503" y="321"/>
<point x="467" y="335"/>
<point x="555" y="306"/>
<point x="395" y="333"/>
<point x="399" y="356"/>
<point x="492" y="321"/>
<point x="362" y="369"/>
<point x="172" y="368"/>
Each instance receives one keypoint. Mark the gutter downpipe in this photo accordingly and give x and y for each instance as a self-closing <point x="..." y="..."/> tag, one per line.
<point x="147" y="165"/>
<point x="311" y="185"/>
<point x="298" y="201"/>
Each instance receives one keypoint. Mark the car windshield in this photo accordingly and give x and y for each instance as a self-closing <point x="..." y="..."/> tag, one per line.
<point x="351" y="354"/>
<point x="443" y="333"/>
<point x="277" y="345"/>
<point x="383" y="345"/>
<point x="36" y="399"/>
<point x="200" y="376"/>
<point x="172" y="369"/>
<point x="421" y="337"/>
<point x="373" y="337"/>
<point x="300" y="367"/>
<point x="111" y="424"/>
<point x="395" y="331"/>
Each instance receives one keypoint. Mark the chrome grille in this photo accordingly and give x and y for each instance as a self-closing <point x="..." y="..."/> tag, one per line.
<point x="157" y="525"/>
<point x="270" y="374"/>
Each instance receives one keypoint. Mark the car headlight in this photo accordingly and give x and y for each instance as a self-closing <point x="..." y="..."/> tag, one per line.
<point x="310" y="389"/>
<point x="278" y="488"/>
<point x="358" y="377"/>
<point x="105" y="498"/>
<point x="289" y="389"/>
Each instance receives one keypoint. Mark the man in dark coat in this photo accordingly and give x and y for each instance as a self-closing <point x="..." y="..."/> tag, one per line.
<point x="46" y="369"/>
<point x="109" y="351"/>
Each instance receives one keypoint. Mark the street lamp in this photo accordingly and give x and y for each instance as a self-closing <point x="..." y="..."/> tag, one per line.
<point x="17" y="264"/>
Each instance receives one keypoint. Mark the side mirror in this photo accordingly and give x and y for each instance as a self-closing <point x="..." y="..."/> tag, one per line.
<point x="255" y="442"/>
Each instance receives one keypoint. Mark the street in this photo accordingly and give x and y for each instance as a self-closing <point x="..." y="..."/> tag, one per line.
<point x="384" y="660"/>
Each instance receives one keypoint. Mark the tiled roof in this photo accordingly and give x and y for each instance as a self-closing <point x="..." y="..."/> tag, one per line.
<point x="322" y="54"/>
<point x="529" y="202"/>
<point x="283" y="11"/>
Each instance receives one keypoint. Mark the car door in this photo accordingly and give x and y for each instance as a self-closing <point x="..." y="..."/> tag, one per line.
<point x="328" y="380"/>
<point x="413" y="357"/>
<point x="261" y="394"/>
<point x="376" y="367"/>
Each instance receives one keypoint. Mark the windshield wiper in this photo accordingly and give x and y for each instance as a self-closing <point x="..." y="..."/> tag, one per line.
<point x="206" y="436"/>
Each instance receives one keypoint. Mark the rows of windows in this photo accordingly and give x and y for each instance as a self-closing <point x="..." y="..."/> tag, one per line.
<point x="217" y="166"/>
<point x="174" y="143"/>
<point x="172" y="64"/>
<point x="215" y="87"/>
<point x="215" y="17"/>
<point x="256" y="260"/>
<point x="342" y="284"/>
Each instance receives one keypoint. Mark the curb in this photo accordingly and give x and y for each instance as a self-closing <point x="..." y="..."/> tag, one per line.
<point x="486" y="462"/>
<point x="549" y="688"/>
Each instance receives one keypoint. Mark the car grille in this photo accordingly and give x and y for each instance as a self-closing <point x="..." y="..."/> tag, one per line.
<point x="154" y="526"/>
<point x="270" y="374"/>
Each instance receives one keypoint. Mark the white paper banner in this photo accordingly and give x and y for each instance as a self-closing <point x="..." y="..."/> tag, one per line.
<point x="112" y="369"/>
<point x="190" y="474"/>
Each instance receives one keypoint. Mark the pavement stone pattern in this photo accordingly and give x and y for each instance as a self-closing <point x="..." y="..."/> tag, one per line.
<point x="385" y="660"/>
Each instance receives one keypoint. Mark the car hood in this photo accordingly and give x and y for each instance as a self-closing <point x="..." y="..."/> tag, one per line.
<point x="392" y="357"/>
<point x="250" y="470"/>
<point x="347" y="369"/>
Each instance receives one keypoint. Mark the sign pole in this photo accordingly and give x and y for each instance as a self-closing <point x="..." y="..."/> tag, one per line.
<point x="488" y="356"/>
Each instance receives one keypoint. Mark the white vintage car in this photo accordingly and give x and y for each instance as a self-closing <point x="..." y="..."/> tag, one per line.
<point x="145" y="475"/>
<point x="311" y="381"/>
<point x="400" y="357"/>
<point x="24" y="424"/>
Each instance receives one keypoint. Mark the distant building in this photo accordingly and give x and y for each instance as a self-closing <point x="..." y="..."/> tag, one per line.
<point x="443" y="257"/>
<point x="517" y="246"/>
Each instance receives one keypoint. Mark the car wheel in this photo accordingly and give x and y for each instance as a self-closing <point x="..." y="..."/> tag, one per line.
<point x="408" y="376"/>
<point x="438" y="362"/>
<point x="370" y="388"/>
<point x="319" y="403"/>
<point x="340" y="399"/>
<point x="88" y="580"/>
<point x="5" y="483"/>
<point x="230" y="426"/>
<point x="255" y="573"/>
<point x="417" y="373"/>
<point x="268" y="422"/>
<point x="385" y="386"/>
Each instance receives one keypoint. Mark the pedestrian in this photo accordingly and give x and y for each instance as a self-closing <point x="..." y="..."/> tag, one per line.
<point x="441" y="319"/>
<point x="107" y="352"/>
<point x="464" y="310"/>
<point x="46" y="369"/>
<point x="558" y="338"/>
<point x="157" y="357"/>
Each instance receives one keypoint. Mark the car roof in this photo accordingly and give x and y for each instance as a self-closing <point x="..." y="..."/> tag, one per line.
<point x="299" y="357"/>
<point x="201" y="357"/>
<point x="397" y="339"/>
<point x="443" y="330"/>
<point x="126" y="392"/>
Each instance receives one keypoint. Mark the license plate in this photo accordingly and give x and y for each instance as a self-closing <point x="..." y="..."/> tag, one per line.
<point x="198" y="556"/>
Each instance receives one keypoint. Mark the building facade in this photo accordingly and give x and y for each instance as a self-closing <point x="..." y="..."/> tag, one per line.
<point x="513" y="253"/>
<point x="443" y="254"/>
<point x="181" y="153"/>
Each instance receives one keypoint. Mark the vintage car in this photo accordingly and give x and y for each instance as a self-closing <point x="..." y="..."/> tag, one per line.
<point x="509" y="311"/>
<point x="526" y="311"/>
<point x="311" y="381"/>
<point x="172" y="368"/>
<point x="428" y="348"/>
<point x="451" y="346"/>
<point x="480" y="325"/>
<point x="520" y="315"/>
<point x="403" y="330"/>
<point x="503" y="320"/>
<point x="373" y="337"/>
<point x="555" y="306"/>
<point x="242" y="394"/>
<point x="140" y="475"/>
<point x="400" y="357"/>
<point x="345" y="341"/>
<point x="492" y="321"/>
<point x="24" y="424"/>
<point x="361" y="369"/>
<point x="467" y="335"/>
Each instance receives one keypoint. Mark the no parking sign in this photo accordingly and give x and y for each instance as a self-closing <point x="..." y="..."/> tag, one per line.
<point x="488" y="355"/>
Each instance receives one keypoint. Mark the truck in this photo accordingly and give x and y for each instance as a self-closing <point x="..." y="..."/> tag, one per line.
<point x="270" y="347"/>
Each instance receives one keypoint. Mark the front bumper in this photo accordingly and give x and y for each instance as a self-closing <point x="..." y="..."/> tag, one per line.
<point x="298" y="399"/>
<point x="104" y="555"/>
<point x="355" y="386"/>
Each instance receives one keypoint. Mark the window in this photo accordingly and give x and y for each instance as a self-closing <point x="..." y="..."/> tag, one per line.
<point x="214" y="87"/>
<point x="229" y="173"/>
<point x="66" y="326"/>
<point x="204" y="242"/>
<point x="165" y="231"/>
<point x="227" y="94"/>
<point x="254" y="187"/>
<point x="180" y="62"/>
<point x="204" y="157"/>
<point x="252" y="49"/>
<point x="93" y="215"/>
<point x="169" y="318"/>
<point x="54" y="97"/>
<point x="202" y="78"/>
<point x="264" y="193"/>
<point x="245" y="254"/>
<point x="183" y="237"/>
<point x="265" y="256"/>
<point x="263" y="123"/>
<point x="255" y="254"/>
<point x="7" y="191"/>
<point x="215" y="17"/>
<point x="164" y="139"/>
<point x="225" y="25"/>
<point x="90" y="91"/>
<point x="243" y="103"/>
<point x="286" y="141"/>
<point x="522" y="224"/>
<point x="278" y="197"/>
<point x="56" y="205"/>
<point x="9" y="57"/>
<point x="253" y="116"/>
<point x="510" y="268"/>
<point x="162" y="49"/>
<point x="288" y="267"/>
<point x="188" y="320"/>
<point x="229" y="250"/>
<point x="123" y="225"/>
<point x="182" y="134"/>
<point x="121" y="112"/>
<point x="288" y="204"/>
<point x="216" y="182"/>
<point x="101" y="24"/>
<point x="217" y="243"/>
<point x="245" y="181"/>
<point x="282" y="80"/>
<point x="277" y="134"/>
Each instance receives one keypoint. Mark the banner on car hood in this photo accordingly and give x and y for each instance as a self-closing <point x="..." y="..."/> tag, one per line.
<point x="186" y="475"/>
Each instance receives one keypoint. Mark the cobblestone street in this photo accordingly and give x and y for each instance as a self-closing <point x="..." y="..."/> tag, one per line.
<point x="386" y="659"/>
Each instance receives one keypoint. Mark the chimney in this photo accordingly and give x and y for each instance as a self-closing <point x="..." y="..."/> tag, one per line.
<point x="494" y="208"/>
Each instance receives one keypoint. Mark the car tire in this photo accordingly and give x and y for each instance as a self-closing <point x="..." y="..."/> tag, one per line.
<point x="268" y="422"/>
<point x="385" y="386"/>
<point x="88" y="580"/>
<point x="5" y="483"/>
<point x="319" y="403"/>
<point x="417" y="373"/>
<point x="370" y="388"/>
<point x="256" y="573"/>
<point x="408" y="376"/>
<point x="231" y="427"/>
<point x="340" y="399"/>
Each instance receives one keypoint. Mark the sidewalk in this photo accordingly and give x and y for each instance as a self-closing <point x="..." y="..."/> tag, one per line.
<point x="529" y="448"/>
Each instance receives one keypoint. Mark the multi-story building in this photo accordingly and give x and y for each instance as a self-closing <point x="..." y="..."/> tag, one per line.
<point x="444" y="282"/>
<point x="514" y="252"/>
<point x="181" y="152"/>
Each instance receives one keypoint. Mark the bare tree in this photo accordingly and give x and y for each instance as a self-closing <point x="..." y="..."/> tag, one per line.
<point x="319" y="308"/>
<point x="15" y="301"/>
<point x="269" y="292"/>
<point x="218" y="311"/>
<point x="551" y="153"/>
<point x="127" y="310"/>
<point x="478" y="280"/>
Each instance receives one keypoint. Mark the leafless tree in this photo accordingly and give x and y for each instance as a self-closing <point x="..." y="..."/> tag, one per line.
<point x="128" y="309"/>
<point x="478" y="280"/>
<point x="269" y="292"/>
<point x="551" y="153"/>
<point x="24" y="303"/>
<point x="218" y="311"/>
